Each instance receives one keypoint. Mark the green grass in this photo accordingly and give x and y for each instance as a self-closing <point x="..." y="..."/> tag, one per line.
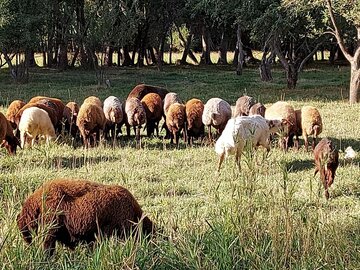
<point x="270" y="215"/>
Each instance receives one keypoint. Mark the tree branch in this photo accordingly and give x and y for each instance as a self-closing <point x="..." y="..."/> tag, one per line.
<point x="337" y="33"/>
<point x="308" y="56"/>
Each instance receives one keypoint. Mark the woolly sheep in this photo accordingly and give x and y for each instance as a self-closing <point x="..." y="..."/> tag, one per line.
<point x="238" y="131"/>
<point x="243" y="105"/>
<point x="194" y="109"/>
<point x="7" y="138"/>
<point x="153" y="108"/>
<point x="93" y="100"/>
<point x="12" y="110"/>
<point x="113" y="114"/>
<point x="282" y="110"/>
<point x="35" y="122"/>
<point x="216" y="113"/>
<point x="141" y="90"/>
<point x="77" y="211"/>
<point x="257" y="108"/>
<point x="311" y="124"/>
<point x="56" y="103"/>
<point x="175" y="121"/>
<point x="169" y="99"/>
<point x="70" y="114"/>
<point x="90" y="121"/>
<point x="326" y="162"/>
<point x="136" y="115"/>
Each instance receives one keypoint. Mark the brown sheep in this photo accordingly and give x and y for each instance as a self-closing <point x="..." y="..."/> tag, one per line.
<point x="7" y="138"/>
<point x="153" y="108"/>
<point x="195" y="128"/>
<point x="70" y="114"/>
<point x="175" y="121"/>
<point x="57" y="104"/>
<point x="257" y="108"/>
<point x="243" y="105"/>
<point x="90" y="121"/>
<point x="309" y="123"/>
<point x="136" y="115"/>
<point x="282" y="110"/>
<point x="76" y="211"/>
<point x="93" y="100"/>
<point x="326" y="162"/>
<point x="12" y="110"/>
<point x="141" y="90"/>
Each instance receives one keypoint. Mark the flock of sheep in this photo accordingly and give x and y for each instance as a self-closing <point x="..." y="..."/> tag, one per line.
<point x="45" y="117"/>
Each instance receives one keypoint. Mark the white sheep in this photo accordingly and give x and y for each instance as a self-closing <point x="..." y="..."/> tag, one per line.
<point x="113" y="114"/>
<point x="35" y="122"/>
<point x="239" y="130"/>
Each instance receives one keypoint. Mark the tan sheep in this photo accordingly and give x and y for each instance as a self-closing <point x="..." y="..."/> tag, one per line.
<point x="175" y="121"/>
<point x="93" y="100"/>
<point x="194" y="110"/>
<point x="114" y="116"/>
<point x="153" y="108"/>
<point x="310" y="124"/>
<point x="257" y="108"/>
<point x="136" y="115"/>
<point x="70" y="114"/>
<point x="243" y="105"/>
<point x="12" y="110"/>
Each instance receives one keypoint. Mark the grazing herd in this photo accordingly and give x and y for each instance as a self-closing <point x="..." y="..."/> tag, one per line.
<point x="80" y="209"/>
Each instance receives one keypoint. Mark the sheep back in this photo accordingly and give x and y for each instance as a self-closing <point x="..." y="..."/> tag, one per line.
<point x="113" y="110"/>
<point x="78" y="211"/>
<point x="141" y="90"/>
<point x="58" y="104"/>
<point x="243" y="105"/>
<point x="194" y="109"/>
<point x="176" y="117"/>
<point x="135" y="111"/>
<point x="257" y="108"/>
<point x="311" y="122"/>
<point x="216" y="113"/>
<point x="12" y="110"/>
<point x="169" y="99"/>
<point x="93" y="100"/>
<point x="91" y="119"/>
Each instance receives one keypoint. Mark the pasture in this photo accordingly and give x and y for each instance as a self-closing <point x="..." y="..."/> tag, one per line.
<point x="270" y="215"/>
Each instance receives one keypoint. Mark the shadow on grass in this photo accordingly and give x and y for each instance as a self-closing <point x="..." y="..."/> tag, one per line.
<point x="300" y="165"/>
<point x="76" y="162"/>
<point x="344" y="143"/>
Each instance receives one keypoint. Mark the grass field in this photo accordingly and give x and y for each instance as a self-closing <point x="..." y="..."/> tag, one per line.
<point x="270" y="215"/>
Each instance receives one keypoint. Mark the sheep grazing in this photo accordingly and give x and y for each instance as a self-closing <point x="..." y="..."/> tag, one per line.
<point x="70" y="114"/>
<point x="175" y="121"/>
<point x="90" y="121"/>
<point x="311" y="124"/>
<point x="136" y="115"/>
<point x="141" y="90"/>
<point x="243" y="105"/>
<point x="77" y="211"/>
<point x="326" y="162"/>
<point x="35" y="122"/>
<point x="153" y="108"/>
<point x="93" y="100"/>
<point x="257" y="108"/>
<point x="56" y="103"/>
<point x="113" y="114"/>
<point x="242" y="129"/>
<point x="282" y="110"/>
<point x="194" y="109"/>
<point x="216" y="113"/>
<point x="171" y="98"/>
<point x="7" y="138"/>
<point x="12" y="110"/>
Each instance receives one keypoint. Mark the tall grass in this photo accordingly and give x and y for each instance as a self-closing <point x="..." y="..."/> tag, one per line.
<point x="270" y="214"/>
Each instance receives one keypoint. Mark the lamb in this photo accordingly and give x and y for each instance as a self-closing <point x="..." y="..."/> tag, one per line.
<point x="153" y="108"/>
<point x="136" y="115"/>
<point x="70" y="114"/>
<point x="113" y="114"/>
<point x="141" y="90"/>
<point x="238" y="131"/>
<point x="175" y="121"/>
<point x="310" y="124"/>
<point x="194" y="109"/>
<point x="12" y="110"/>
<point x="35" y="122"/>
<point x="90" y="121"/>
<point x="243" y="105"/>
<point x="257" y="108"/>
<point x="77" y="211"/>
<point x="7" y="138"/>
<point x="171" y="98"/>
<point x="326" y="162"/>
<point x="216" y="113"/>
<point x="282" y="110"/>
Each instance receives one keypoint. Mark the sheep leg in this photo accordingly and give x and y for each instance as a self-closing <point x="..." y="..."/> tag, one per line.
<point x="237" y="158"/>
<point x="157" y="129"/>
<point x="49" y="243"/>
<point x="221" y="159"/>
<point x="306" y="141"/>
<point x="210" y="135"/>
<point x="313" y="144"/>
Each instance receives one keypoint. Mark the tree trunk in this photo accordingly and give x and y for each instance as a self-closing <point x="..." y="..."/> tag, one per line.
<point x="239" y="45"/>
<point x="354" y="83"/>
<point x="30" y="56"/>
<point x="62" y="60"/>
<point x="108" y="61"/>
<point x="291" y="76"/>
<point x="119" y="56"/>
<point x="236" y="56"/>
<point x="171" y="47"/>
<point x="205" y="41"/>
<point x="127" y="58"/>
<point x="223" y="49"/>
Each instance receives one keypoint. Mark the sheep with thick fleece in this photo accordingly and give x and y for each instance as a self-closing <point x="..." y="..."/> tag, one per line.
<point x="283" y="111"/>
<point x="77" y="211"/>
<point x="326" y="162"/>
<point x="169" y="99"/>
<point x="141" y="90"/>
<point x="194" y="109"/>
<point x="113" y="114"/>
<point x="243" y="105"/>
<point x="257" y="108"/>
<point x="175" y="121"/>
<point x="90" y="121"/>
<point x="136" y="115"/>
<point x="216" y="113"/>
<point x="93" y="100"/>
<point x="35" y="122"/>
<point x="242" y="129"/>
<point x="55" y="103"/>
<point x="310" y="124"/>
<point x="7" y="138"/>
<point x="153" y="108"/>
<point x="12" y="110"/>
<point x="70" y="114"/>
